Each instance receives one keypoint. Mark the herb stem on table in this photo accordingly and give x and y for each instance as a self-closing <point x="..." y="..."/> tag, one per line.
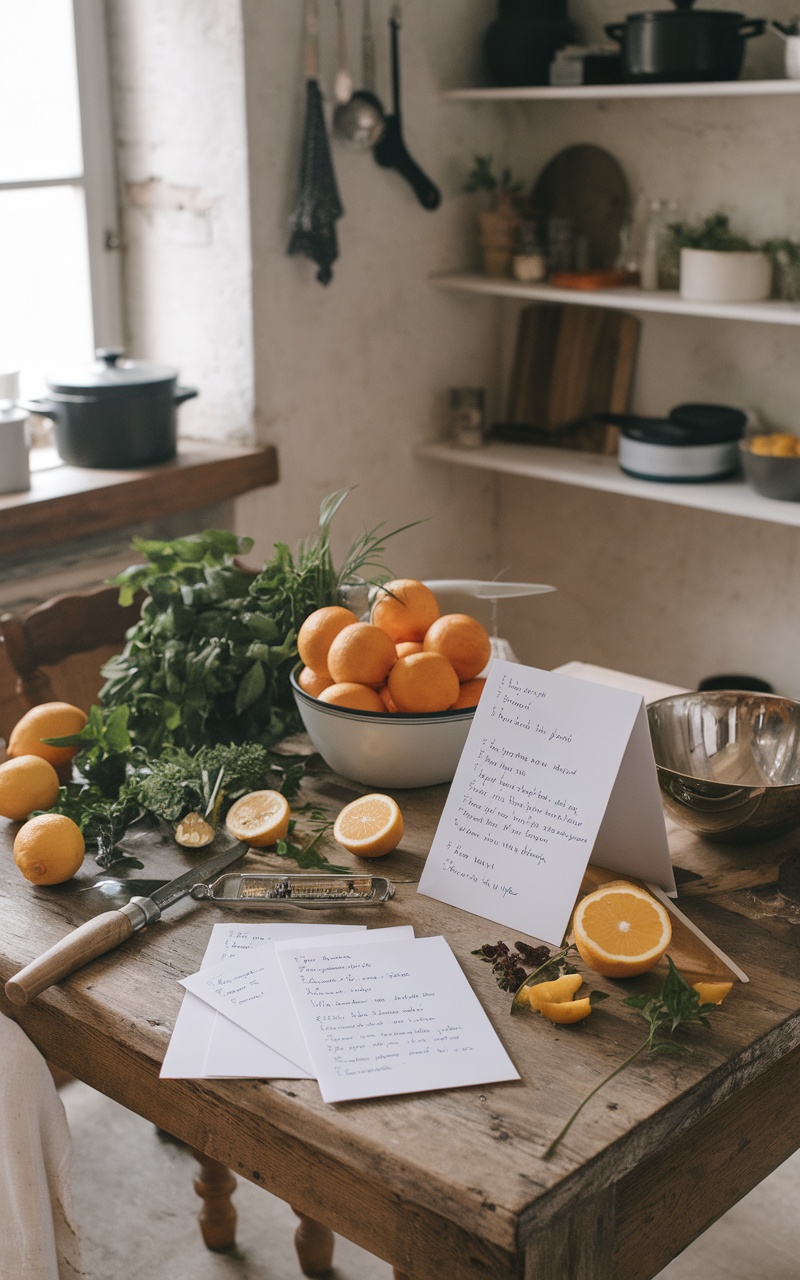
<point x="674" y="1005"/>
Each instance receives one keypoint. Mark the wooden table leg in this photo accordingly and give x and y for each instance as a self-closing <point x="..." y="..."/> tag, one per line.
<point x="215" y="1186"/>
<point x="314" y="1245"/>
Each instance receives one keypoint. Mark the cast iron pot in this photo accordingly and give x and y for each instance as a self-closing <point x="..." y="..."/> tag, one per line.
<point x="683" y="44"/>
<point x="115" y="413"/>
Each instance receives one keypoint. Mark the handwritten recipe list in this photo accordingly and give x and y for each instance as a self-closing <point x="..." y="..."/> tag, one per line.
<point x="546" y="758"/>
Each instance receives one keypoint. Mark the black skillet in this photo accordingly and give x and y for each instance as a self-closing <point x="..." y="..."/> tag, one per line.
<point x="391" y="152"/>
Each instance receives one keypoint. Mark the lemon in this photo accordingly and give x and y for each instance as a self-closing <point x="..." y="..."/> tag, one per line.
<point x="49" y="849"/>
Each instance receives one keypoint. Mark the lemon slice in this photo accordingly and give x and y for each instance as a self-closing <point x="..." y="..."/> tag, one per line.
<point x="370" y="826"/>
<point x="566" y="1011"/>
<point x="554" y="992"/>
<point x="260" y="818"/>
<point x="712" y="992"/>
<point x="621" y="930"/>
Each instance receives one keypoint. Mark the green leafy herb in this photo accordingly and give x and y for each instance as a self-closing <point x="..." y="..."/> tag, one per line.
<point x="209" y="661"/>
<point x="714" y="232"/>
<point x="309" y="856"/>
<point x="674" y="1005"/>
<point x="481" y="177"/>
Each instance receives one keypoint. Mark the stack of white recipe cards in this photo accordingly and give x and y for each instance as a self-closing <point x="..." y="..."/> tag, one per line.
<point x="365" y="1012"/>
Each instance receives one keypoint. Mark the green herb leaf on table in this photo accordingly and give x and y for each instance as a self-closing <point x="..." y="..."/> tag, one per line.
<point x="673" y="1006"/>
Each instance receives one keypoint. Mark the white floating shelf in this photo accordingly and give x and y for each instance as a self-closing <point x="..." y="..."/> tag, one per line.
<point x="629" y="299"/>
<point x="704" y="89"/>
<point x="597" y="471"/>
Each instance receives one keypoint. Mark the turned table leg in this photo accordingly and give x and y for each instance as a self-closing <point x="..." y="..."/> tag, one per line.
<point x="215" y="1186"/>
<point x="314" y="1245"/>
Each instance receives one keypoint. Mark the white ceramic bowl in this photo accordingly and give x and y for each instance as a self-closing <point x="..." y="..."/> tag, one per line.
<point x="394" y="751"/>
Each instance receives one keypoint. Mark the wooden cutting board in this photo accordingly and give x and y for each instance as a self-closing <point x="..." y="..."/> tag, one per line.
<point x="571" y="363"/>
<point x="586" y="184"/>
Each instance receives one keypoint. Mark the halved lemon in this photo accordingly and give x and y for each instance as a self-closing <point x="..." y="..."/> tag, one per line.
<point x="260" y="818"/>
<point x="620" y="930"/>
<point x="370" y="826"/>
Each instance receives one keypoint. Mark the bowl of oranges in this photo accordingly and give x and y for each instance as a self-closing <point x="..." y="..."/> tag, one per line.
<point x="388" y="700"/>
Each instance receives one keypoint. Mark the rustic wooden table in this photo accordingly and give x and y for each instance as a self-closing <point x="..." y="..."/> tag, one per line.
<point x="454" y="1184"/>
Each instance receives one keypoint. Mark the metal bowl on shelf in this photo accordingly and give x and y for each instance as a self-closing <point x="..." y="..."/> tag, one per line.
<point x="728" y="762"/>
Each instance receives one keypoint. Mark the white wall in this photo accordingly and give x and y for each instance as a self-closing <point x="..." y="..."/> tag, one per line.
<point x="178" y="93"/>
<point x="349" y="378"/>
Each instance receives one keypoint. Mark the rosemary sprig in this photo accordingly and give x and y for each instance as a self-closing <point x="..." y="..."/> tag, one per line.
<point x="675" y="1005"/>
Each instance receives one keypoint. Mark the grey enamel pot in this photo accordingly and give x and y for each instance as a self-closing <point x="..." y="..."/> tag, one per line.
<point x="115" y="413"/>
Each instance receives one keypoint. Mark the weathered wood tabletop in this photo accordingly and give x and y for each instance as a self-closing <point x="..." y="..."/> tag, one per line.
<point x="454" y="1183"/>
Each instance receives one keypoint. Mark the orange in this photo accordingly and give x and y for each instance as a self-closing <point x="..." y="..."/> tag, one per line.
<point x="26" y="783"/>
<point x="404" y="609"/>
<point x="318" y="631"/>
<point x="620" y="930"/>
<point x="423" y="682"/>
<point x="363" y="654"/>
<point x="50" y="720"/>
<point x="388" y="701"/>
<point x="712" y="992"/>
<point x="260" y="818"/>
<point x="311" y="683"/>
<point x="406" y="647"/>
<point x="49" y="849"/>
<point x="462" y="640"/>
<point x="359" y="697"/>
<point x="370" y="826"/>
<point x="469" y="696"/>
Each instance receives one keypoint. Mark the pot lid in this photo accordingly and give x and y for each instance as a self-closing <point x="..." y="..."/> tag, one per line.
<point x="111" y="375"/>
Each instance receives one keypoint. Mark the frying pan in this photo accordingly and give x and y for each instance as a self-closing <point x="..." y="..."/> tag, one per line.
<point x="390" y="151"/>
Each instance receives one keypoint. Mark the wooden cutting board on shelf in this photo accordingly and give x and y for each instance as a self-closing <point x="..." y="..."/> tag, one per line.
<point x="570" y="364"/>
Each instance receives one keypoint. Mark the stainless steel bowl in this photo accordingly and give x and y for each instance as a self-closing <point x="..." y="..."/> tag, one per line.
<point x="728" y="762"/>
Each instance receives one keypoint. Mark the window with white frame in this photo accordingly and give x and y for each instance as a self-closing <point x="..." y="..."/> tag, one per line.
<point x="60" y="294"/>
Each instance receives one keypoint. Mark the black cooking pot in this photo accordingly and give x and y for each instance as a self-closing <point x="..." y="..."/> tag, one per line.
<point x="683" y="44"/>
<point x="115" y="413"/>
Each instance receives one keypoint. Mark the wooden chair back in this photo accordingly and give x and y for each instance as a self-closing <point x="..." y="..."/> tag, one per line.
<point x="57" y="649"/>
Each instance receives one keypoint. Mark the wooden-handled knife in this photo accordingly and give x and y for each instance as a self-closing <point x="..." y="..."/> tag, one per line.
<point x="108" y="930"/>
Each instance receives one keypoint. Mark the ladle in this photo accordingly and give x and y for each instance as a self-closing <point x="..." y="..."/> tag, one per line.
<point x="391" y="152"/>
<point x="360" y="121"/>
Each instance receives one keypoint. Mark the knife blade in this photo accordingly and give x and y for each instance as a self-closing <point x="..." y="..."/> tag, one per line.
<point x="108" y="930"/>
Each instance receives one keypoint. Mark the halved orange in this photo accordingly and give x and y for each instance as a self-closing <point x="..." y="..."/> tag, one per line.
<point x="370" y="826"/>
<point x="260" y="818"/>
<point x="621" y="930"/>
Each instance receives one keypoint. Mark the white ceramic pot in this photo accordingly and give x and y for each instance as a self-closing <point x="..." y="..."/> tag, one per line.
<point x="709" y="275"/>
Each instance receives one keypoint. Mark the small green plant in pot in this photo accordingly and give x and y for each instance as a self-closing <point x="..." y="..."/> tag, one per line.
<point x="718" y="265"/>
<point x="498" y="225"/>
<point x="785" y="255"/>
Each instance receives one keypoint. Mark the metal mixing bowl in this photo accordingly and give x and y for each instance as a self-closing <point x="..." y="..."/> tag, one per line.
<point x="728" y="762"/>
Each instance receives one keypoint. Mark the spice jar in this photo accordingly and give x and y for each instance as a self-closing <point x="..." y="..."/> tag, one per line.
<point x="530" y="260"/>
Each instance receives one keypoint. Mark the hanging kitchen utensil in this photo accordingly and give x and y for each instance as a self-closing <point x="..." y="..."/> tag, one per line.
<point x="313" y="222"/>
<point x="361" y="121"/>
<point x="342" y="81"/>
<point x="391" y="151"/>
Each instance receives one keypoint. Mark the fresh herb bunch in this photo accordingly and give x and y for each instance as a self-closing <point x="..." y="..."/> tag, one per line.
<point x="511" y="968"/>
<point x="210" y="659"/>
<point x="673" y="1006"/>
<point x="119" y="783"/>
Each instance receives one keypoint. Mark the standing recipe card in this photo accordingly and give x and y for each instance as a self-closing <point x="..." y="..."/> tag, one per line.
<point x="555" y="772"/>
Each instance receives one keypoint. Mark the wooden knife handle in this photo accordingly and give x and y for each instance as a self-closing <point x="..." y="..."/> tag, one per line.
<point x="92" y="939"/>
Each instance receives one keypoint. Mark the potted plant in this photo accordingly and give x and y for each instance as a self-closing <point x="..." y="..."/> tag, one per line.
<point x="718" y="266"/>
<point x="498" y="225"/>
<point x="785" y="255"/>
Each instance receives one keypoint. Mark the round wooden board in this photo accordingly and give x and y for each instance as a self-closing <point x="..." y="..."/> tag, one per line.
<point x="587" y="185"/>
